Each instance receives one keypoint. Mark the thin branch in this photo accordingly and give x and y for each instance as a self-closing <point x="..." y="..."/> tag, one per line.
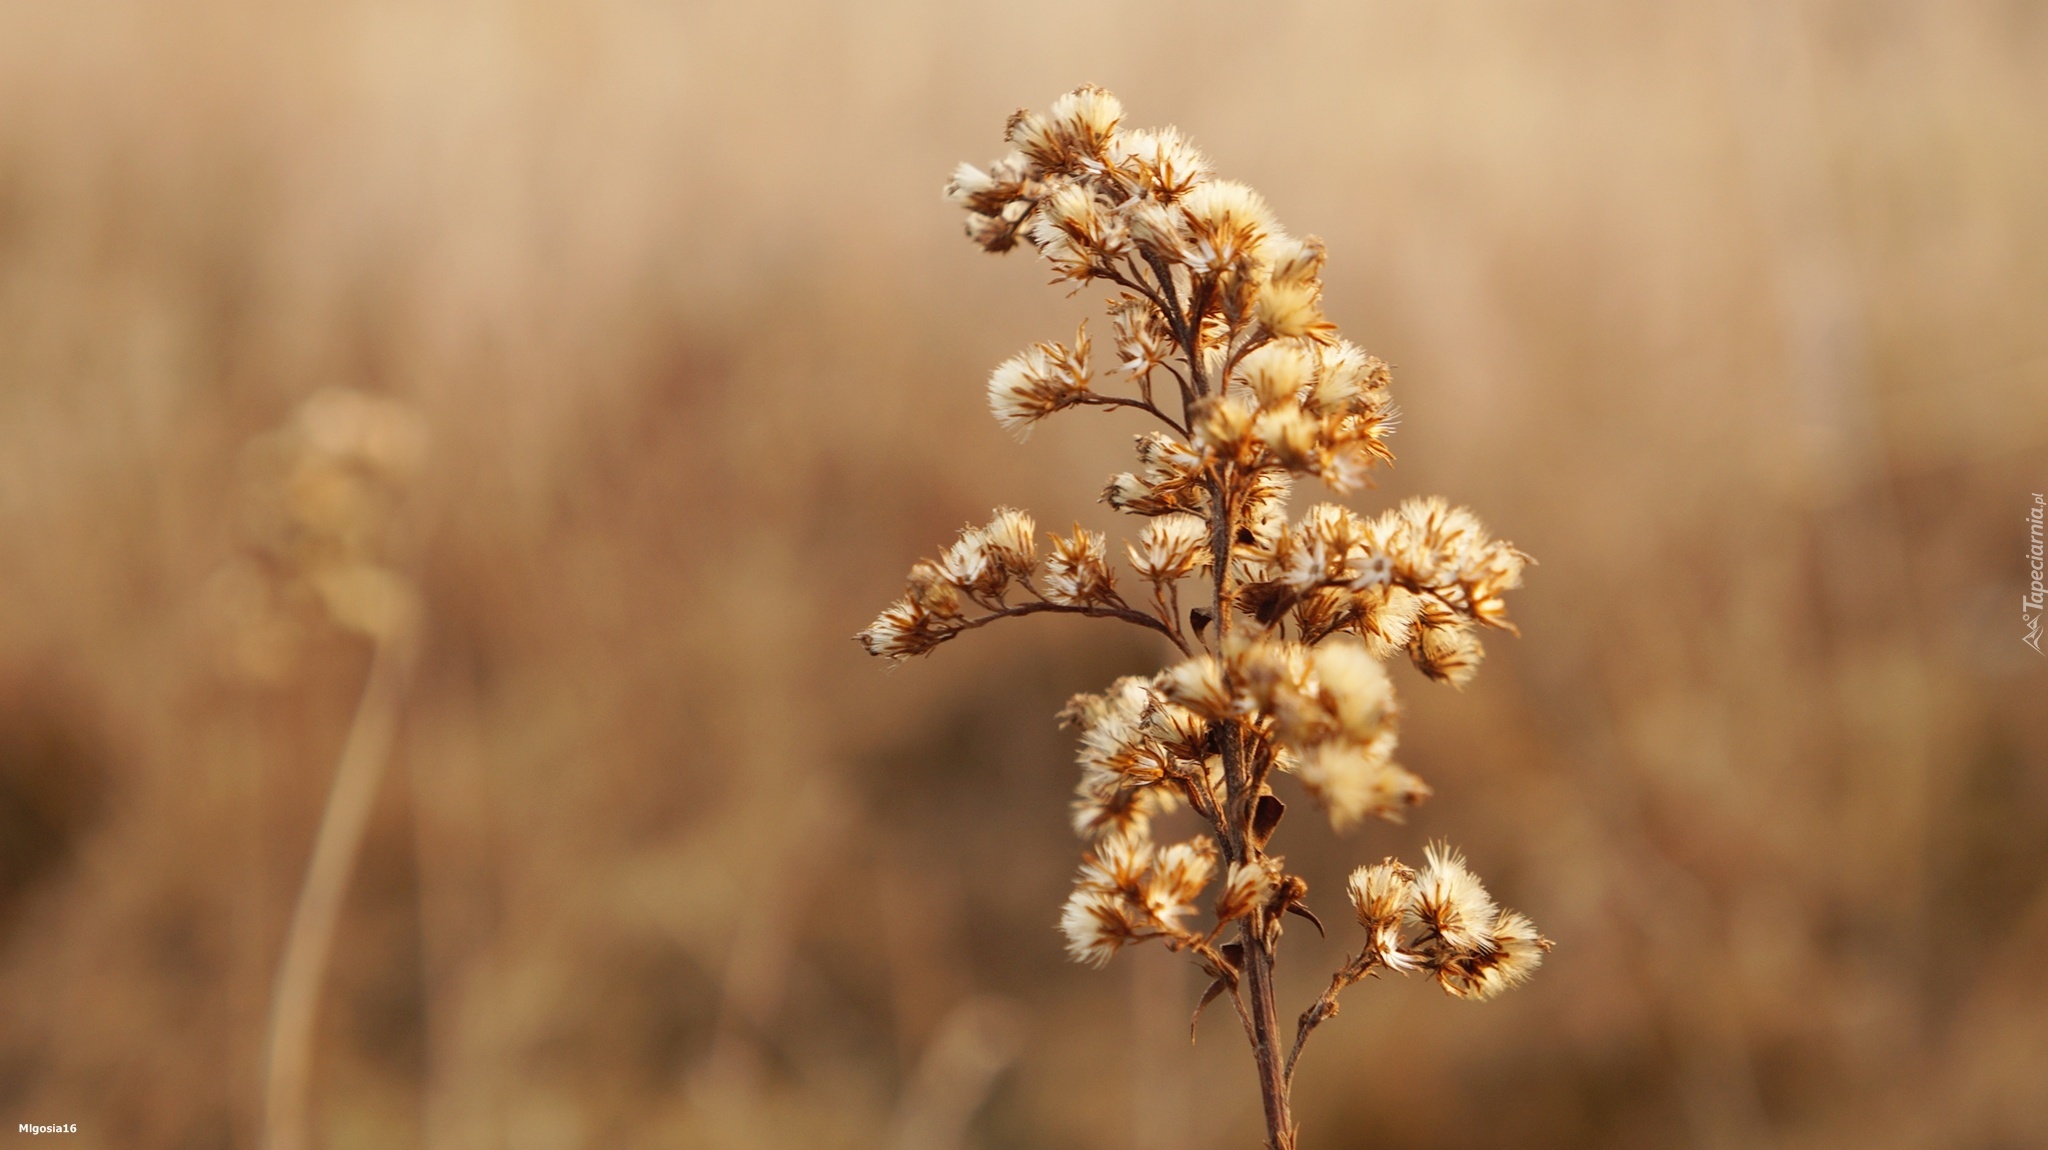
<point x="1136" y="283"/>
<point x="1185" y="391"/>
<point x="1097" y="399"/>
<point x="1164" y="275"/>
<point x="1200" y="293"/>
<point x="1251" y="344"/>
<point x="1203" y="800"/>
<point x="1325" y="1005"/>
<point x="1127" y="614"/>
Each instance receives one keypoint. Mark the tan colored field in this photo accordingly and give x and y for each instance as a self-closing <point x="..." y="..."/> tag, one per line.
<point x="1731" y="313"/>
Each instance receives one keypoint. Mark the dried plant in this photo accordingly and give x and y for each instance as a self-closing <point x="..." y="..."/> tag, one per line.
<point x="322" y="497"/>
<point x="1282" y="667"/>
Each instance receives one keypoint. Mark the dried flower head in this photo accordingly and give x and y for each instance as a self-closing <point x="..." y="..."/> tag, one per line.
<point x="321" y="505"/>
<point x="1449" y="903"/>
<point x="1171" y="547"/>
<point x="1223" y="342"/>
<point x="1033" y="384"/>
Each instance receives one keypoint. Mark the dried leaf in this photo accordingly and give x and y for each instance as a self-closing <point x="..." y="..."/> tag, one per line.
<point x="1208" y="996"/>
<point x="1266" y="818"/>
<point x="1297" y="908"/>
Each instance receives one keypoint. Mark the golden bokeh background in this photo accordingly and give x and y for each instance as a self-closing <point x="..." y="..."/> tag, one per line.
<point x="1729" y="311"/>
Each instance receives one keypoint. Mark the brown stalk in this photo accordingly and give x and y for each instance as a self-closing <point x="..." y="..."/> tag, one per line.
<point x="1240" y="846"/>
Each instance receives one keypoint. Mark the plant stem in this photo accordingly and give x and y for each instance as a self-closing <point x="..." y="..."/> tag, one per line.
<point x="295" y="1002"/>
<point x="1258" y="976"/>
<point x="1239" y="845"/>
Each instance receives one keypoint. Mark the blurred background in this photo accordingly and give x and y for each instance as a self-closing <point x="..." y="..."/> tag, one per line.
<point x="1731" y="313"/>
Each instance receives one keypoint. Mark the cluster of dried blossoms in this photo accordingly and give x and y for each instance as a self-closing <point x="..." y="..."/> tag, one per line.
<point x="1282" y="667"/>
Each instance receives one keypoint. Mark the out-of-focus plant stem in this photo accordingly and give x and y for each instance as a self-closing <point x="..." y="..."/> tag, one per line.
<point x="294" y="1004"/>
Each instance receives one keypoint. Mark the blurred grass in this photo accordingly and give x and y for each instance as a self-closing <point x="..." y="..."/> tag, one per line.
<point x="1728" y="312"/>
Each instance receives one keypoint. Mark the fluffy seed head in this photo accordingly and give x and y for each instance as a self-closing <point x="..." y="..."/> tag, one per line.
<point x="1161" y="230"/>
<point x="1097" y="925"/>
<point x="1293" y="435"/>
<point x="1288" y="304"/>
<point x="1353" y="780"/>
<point x="1118" y="863"/>
<point x="966" y="564"/>
<point x="1229" y="222"/>
<point x="1223" y="424"/>
<point x="903" y="629"/>
<point x="1198" y="685"/>
<point x="1143" y="342"/>
<point x="1012" y="541"/>
<point x="1179" y="874"/>
<point x="1347" y="378"/>
<point x="1450" y="903"/>
<point x="1170" y="547"/>
<point x="1514" y="953"/>
<point x="1277" y="373"/>
<point x="1380" y="893"/>
<point x="1086" y="117"/>
<point x="1354" y="688"/>
<point x="1077" y="233"/>
<point x="1077" y="572"/>
<point x="1444" y="646"/>
<point x="1163" y="163"/>
<point x="1247" y="885"/>
<point x="1033" y="384"/>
